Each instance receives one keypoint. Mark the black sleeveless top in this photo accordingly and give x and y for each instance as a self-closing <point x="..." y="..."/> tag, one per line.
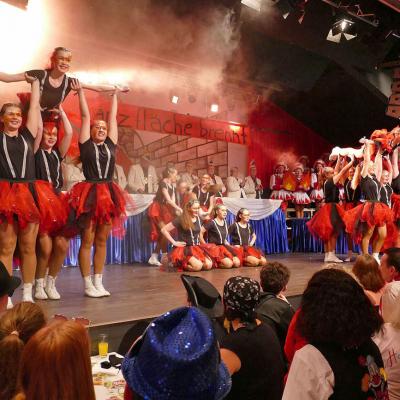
<point x="190" y="236"/>
<point x="352" y="196"/>
<point x="216" y="233"/>
<point x="370" y="188"/>
<point x="355" y="368"/>
<point x="385" y="194"/>
<point x="396" y="185"/>
<point x="331" y="191"/>
<point x="48" y="167"/>
<point x="240" y="236"/>
<point x="98" y="161"/>
<point x="50" y="97"/>
<point x="203" y="198"/>
<point x="17" y="160"/>
<point x="159" y="195"/>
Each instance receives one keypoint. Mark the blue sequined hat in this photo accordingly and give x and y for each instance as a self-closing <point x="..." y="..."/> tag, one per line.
<point x="177" y="358"/>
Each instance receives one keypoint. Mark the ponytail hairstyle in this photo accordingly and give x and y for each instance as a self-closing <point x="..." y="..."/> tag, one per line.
<point x="186" y="217"/>
<point x="239" y="214"/>
<point x="17" y="325"/>
<point x="54" y="54"/>
<point x="217" y="208"/>
<point x="167" y="172"/>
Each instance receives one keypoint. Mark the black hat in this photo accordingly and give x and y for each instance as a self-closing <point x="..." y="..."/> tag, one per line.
<point x="7" y="283"/>
<point x="204" y="295"/>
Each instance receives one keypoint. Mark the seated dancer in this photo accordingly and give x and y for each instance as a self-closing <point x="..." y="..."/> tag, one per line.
<point x="204" y="196"/>
<point x="276" y="185"/>
<point x="51" y="245"/>
<point x="362" y="221"/>
<point x="161" y="211"/>
<point x="54" y="83"/>
<point x="317" y="193"/>
<point x="244" y="238"/>
<point x="300" y="196"/>
<point x="352" y="193"/>
<point x="217" y="245"/>
<point x="187" y="253"/>
<point x="98" y="203"/>
<point x="396" y="193"/>
<point x="327" y="222"/>
<point x="22" y="200"/>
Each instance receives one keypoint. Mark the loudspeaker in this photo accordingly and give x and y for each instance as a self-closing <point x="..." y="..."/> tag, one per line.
<point x="393" y="108"/>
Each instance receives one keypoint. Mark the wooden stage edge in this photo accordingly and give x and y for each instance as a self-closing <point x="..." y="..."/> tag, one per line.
<point x="141" y="292"/>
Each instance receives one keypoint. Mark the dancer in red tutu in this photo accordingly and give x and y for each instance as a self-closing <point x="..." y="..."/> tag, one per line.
<point x="317" y="193"/>
<point x="20" y="197"/>
<point x="217" y="246"/>
<point x="276" y="185"/>
<point x="187" y="254"/>
<point x="327" y="223"/>
<point x="204" y="196"/>
<point x="300" y="196"/>
<point x="396" y="193"/>
<point x="51" y="245"/>
<point x="243" y="238"/>
<point x="371" y="216"/>
<point x="98" y="203"/>
<point x="162" y="211"/>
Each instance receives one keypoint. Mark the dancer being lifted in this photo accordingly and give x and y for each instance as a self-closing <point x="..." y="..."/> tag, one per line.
<point x="327" y="222"/>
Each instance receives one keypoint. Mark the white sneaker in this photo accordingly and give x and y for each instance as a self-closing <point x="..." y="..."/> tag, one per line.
<point x="51" y="289"/>
<point x="376" y="256"/>
<point x="27" y="292"/>
<point x="98" y="284"/>
<point x="153" y="260"/>
<point x="332" y="258"/>
<point x="9" y="304"/>
<point x="40" y="294"/>
<point x="90" y="290"/>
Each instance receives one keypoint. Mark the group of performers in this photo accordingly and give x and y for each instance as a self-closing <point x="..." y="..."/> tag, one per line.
<point x="370" y="212"/>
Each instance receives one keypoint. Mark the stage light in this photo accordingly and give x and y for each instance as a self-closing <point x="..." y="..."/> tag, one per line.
<point x="22" y="4"/>
<point x="254" y="4"/>
<point x="174" y="99"/>
<point x="214" y="108"/>
<point x="343" y="28"/>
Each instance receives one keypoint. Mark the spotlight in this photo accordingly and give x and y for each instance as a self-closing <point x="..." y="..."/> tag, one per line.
<point x="174" y="99"/>
<point x="254" y="4"/>
<point x="342" y="28"/>
<point x="214" y="108"/>
<point x="23" y="4"/>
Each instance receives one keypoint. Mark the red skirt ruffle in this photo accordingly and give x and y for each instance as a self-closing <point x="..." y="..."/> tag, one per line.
<point x="158" y="213"/>
<point x="396" y="206"/>
<point x="365" y="216"/>
<point x="242" y="252"/>
<point x="327" y="221"/>
<point x="100" y="203"/>
<point x="180" y="256"/>
<point x="17" y="203"/>
<point x="217" y="253"/>
<point x="349" y="206"/>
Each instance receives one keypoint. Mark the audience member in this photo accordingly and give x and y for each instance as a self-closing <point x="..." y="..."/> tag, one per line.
<point x="366" y="271"/>
<point x="215" y="179"/>
<point x="142" y="177"/>
<point x="7" y="286"/>
<point x="388" y="339"/>
<point x="119" y="176"/>
<point x="176" y="358"/>
<point x="252" y="185"/>
<point x="72" y="172"/>
<point x="55" y="364"/>
<point x="16" y="328"/>
<point x="235" y="184"/>
<point x="341" y="361"/>
<point x="251" y="350"/>
<point x="273" y="308"/>
<point x="189" y="176"/>
<point x="390" y="264"/>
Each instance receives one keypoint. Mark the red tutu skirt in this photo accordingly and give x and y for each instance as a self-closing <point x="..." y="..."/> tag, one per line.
<point x="18" y="203"/>
<point x="366" y="216"/>
<point x="100" y="203"/>
<point x="349" y="206"/>
<point x="327" y="221"/>
<point x="159" y="213"/>
<point x="217" y="253"/>
<point x="396" y="208"/>
<point x="242" y="252"/>
<point x="180" y="256"/>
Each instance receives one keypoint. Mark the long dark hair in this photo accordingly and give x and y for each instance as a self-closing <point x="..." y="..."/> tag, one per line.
<point x="239" y="214"/>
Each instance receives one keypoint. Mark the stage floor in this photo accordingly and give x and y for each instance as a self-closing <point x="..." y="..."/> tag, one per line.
<point x="140" y="291"/>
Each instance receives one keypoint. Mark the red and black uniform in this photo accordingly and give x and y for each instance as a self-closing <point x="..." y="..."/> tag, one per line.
<point x="241" y="238"/>
<point x="352" y="197"/>
<point x="160" y="211"/>
<point x="396" y="200"/>
<point x="216" y="246"/>
<point x="369" y="214"/>
<point x="180" y="256"/>
<point x="204" y="198"/>
<point x="49" y="178"/>
<point x="328" y="220"/>
<point x="99" y="200"/>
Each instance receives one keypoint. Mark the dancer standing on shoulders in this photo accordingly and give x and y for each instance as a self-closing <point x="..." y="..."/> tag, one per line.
<point x="372" y="215"/>
<point x="187" y="253"/>
<point x="99" y="204"/>
<point x="243" y="238"/>
<point x="217" y="245"/>
<point x="162" y="211"/>
<point x="50" y="243"/>
<point x="327" y="223"/>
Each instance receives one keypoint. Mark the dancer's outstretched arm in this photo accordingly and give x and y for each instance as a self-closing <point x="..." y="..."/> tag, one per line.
<point x="343" y="171"/>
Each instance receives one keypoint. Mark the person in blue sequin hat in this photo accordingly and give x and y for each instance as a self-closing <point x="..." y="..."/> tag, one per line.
<point x="177" y="358"/>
